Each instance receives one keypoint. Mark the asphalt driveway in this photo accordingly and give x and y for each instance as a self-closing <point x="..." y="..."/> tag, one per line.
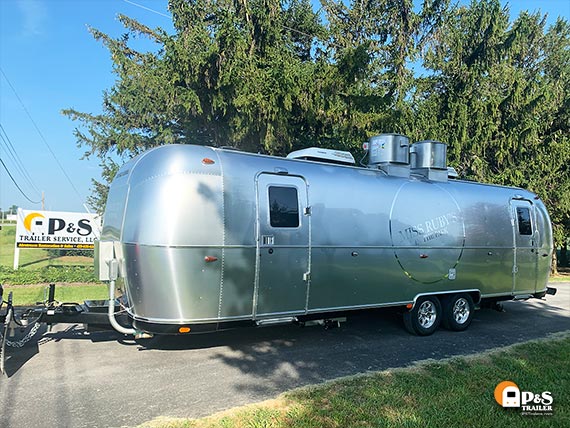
<point x="72" y="379"/>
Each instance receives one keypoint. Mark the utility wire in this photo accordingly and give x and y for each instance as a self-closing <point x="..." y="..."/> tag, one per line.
<point x="147" y="8"/>
<point x="16" y="184"/>
<point x="167" y="16"/>
<point x="15" y="158"/>
<point x="41" y="135"/>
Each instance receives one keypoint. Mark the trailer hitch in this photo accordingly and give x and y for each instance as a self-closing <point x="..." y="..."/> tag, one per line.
<point x="93" y="314"/>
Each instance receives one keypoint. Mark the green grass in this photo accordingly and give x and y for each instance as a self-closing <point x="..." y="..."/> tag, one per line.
<point x="29" y="296"/>
<point x="48" y="274"/>
<point x="39" y="266"/>
<point x="33" y="258"/>
<point x="456" y="392"/>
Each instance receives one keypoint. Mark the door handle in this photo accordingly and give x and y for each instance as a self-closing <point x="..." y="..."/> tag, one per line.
<point x="267" y="240"/>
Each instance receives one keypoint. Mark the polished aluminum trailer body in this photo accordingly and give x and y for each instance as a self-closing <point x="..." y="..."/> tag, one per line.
<point x="207" y="236"/>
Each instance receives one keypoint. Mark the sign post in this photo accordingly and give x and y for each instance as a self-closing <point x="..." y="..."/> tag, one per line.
<point x="16" y="257"/>
<point x="55" y="230"/>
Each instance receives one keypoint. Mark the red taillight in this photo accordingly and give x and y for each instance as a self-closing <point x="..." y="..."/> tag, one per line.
<point x="209" y="259"/>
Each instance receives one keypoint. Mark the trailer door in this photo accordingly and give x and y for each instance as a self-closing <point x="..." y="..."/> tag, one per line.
<point x="525" y="253"/>
<point x="283" y="227"/>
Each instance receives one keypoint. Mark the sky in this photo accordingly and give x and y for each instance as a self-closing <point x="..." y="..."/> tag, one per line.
<point x="49" y="62"/>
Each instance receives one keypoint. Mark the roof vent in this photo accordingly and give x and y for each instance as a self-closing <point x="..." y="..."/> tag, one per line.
<point x="390" y="153"/>
<point x="429" y="158"/>
<point x="452" y="172"/>
<point x="323" y="155"/>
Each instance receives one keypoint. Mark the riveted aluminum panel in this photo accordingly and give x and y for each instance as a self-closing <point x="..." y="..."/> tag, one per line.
<point x="173" y="285"/>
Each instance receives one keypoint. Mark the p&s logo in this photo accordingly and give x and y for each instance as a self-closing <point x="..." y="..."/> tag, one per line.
<point x="34" y="223"/>
<point x="29" y="221"/>
<point x="55" y="229"/>
<point x="508" y="394"/>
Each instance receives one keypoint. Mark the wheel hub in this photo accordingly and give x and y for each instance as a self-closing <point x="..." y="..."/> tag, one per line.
<point x="427" y="314"/>
<point x="461" y="311"/>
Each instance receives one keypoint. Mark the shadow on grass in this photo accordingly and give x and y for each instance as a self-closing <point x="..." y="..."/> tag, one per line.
<point x="35" y="262"/>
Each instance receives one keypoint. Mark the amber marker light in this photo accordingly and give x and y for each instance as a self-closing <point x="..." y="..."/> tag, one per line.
<point x="208" y="161"/>
<point x="209" y="259"/>
<point x="409" y="306"/>
<point x="184" y="330"/>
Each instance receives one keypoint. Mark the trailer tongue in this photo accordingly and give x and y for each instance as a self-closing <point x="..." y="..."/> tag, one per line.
<point x="93" y="314"/>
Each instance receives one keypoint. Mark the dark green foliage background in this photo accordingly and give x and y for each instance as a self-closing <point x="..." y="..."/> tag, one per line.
<point x="274" y="76"/>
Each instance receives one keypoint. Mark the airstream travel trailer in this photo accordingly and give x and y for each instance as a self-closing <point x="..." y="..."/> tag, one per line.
<point x="201" y="238"/>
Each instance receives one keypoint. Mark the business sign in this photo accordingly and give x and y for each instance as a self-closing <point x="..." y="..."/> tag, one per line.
<point x="53" y="229"/>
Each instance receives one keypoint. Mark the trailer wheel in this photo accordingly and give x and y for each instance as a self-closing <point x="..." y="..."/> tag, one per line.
<point x="425" y="317"/>
<point x="458" y="311"/>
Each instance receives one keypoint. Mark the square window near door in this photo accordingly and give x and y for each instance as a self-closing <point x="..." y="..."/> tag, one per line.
<point x="523" y="216"/>
<point x="283" y="207"/>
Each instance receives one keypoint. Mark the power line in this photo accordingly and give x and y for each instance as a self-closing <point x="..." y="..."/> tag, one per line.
<point x="147" y="8"/>
<point x="16" y="184"/>
<point x="284" y="26"/>
<point x="41" y="135"/>
<point x="15" y="158"/>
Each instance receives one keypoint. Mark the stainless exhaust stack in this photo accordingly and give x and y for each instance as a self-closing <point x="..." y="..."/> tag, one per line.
<point x="390" y="153"/>
<point x="429" y="159"/>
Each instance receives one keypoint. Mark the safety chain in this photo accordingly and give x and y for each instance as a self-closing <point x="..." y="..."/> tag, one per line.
<point x="20" y="343"/>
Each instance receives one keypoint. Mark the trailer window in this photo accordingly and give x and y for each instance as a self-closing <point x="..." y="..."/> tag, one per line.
<point x="283" y="207"/>
<point x="523" y="216"/>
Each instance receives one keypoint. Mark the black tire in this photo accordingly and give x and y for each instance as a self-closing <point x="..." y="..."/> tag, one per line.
<point x="458" y="311"/>
<point x="425" y="317"/>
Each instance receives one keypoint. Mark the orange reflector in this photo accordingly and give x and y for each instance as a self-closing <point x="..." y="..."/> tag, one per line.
<point x="184" y="330"/>
<point x="208" y="161"/>
<point x="209" y="259"/>
<point x="409" y="306"/>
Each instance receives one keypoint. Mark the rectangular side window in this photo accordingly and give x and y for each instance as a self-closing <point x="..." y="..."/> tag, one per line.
<point x="523" y="216"/>
<point x="283" y="207"/>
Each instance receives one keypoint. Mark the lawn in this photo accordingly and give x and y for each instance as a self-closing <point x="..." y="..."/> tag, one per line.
<point x="34" y="258"/>
<point x="40" y="266"/>
<point x="77" y="293"/>
<point x="456" y="392"/>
